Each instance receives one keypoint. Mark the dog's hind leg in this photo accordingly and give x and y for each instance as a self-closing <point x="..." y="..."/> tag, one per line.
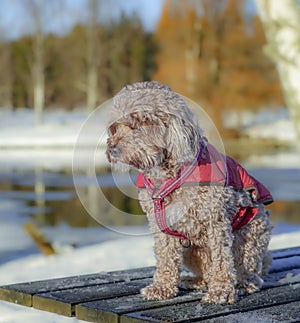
<point x="250" y="253"/>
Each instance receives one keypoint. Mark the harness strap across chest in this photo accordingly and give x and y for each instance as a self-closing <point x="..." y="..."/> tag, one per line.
<point x="159" y="193"/>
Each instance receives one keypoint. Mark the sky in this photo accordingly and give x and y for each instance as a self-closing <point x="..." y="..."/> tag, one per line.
<point x="15" y="17"/>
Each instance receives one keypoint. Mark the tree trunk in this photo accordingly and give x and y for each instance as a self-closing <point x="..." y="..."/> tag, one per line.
<point x="38" y="77"/>
<point x="92" y="76"/>
<point x="281" y="20"/>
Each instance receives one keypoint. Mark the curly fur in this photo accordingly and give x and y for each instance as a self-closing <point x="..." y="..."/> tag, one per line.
<point x="154" y="132"/>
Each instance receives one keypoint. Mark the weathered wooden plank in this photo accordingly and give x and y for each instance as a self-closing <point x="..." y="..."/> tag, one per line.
<point x="197" y="311"/>
<point x="289" y="312"/>
<point x="282" y="264"/>
<point x="15" y="296"/>
<point x="22" y="293"/>
<point x="63" y="301"/>
<point x="53" y="305"/>
<point x="109" y="310"/>
<point x="284" y="253"/>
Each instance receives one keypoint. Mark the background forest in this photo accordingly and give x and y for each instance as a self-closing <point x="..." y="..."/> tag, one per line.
<point x="210" y="51"/>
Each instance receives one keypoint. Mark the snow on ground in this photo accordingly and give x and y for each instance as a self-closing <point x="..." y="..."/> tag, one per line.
<point x="60" y="128"/>
<point x="11" y="313"/>
<point x="102" y="257"/>
<point x="107" y="256"/>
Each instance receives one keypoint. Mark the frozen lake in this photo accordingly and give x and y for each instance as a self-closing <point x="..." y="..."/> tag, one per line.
<point x="49" y="198"/>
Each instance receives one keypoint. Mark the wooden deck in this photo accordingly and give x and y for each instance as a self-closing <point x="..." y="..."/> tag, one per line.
<point x="114" y="297"/>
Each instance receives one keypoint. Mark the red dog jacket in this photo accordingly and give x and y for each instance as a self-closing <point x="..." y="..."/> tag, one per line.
<point x="210" y="168"/>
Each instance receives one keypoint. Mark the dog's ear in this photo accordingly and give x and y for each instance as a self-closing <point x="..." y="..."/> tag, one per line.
<point x="182" y="139"/>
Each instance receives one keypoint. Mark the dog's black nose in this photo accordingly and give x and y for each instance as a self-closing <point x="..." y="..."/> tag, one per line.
<point x="114" y="151"/>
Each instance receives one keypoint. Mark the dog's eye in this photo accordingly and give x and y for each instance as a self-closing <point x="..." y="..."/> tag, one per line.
<point x="112" y="130"/>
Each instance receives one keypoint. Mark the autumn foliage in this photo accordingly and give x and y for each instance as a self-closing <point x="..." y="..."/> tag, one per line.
<point x="212" y="52"/>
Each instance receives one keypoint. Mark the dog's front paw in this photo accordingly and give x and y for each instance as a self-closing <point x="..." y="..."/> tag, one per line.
<point x="158" y="293"/>
<point x="225" y="294"/>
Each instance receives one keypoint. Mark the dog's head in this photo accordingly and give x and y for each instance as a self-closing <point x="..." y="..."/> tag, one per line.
<point x="152" y="129"/>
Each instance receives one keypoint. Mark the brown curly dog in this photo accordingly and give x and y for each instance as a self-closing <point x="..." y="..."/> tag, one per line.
<point x="205" y="211"/>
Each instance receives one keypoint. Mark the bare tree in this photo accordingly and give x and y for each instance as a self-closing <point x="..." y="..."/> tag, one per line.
<point x="38" y="65"/>
<point x="39" y="12"/>
<point x="35" y="8"/>
<point x="281" y="20"/>
<point x="92" y="55"/>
